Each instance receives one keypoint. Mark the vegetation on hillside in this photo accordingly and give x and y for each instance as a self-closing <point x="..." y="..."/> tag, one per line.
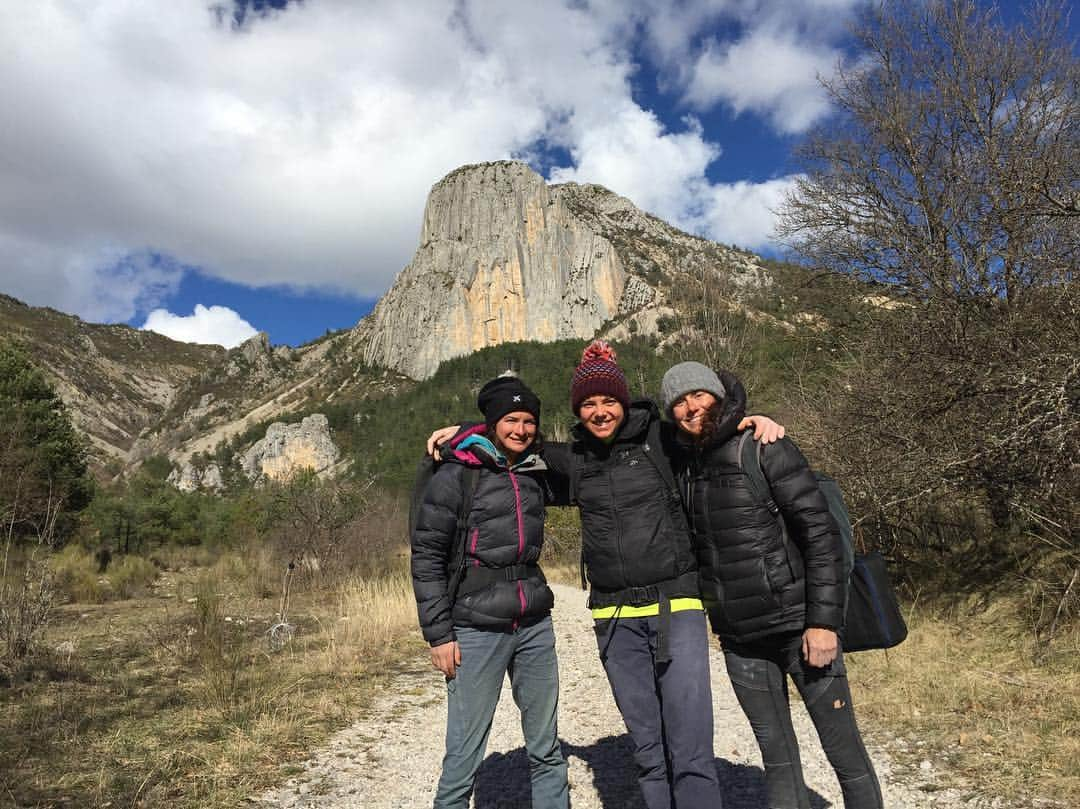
<point x="948" y="176"/>
<point x="43" y="480"/>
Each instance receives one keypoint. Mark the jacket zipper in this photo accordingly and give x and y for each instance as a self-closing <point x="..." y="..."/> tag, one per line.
<point x="615" y="526"/>
<point x="521" y="542"/>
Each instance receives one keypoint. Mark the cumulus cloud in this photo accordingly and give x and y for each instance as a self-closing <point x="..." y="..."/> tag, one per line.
<point x="743" y="213"/>
<point x="211" y="325"/>
<point x="769" y="72"/>
<point x="298" y="148"/>
<point x="770" y="67"/>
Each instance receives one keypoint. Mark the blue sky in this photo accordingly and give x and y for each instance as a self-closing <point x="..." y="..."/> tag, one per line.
<point x="264" y="166"/>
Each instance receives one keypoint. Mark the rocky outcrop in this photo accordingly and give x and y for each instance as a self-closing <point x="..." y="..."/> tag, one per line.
<point x="500" y="260"/>
<point x="505" y="257"/>
<point x="190" y="478"/>
<point x="289" y="448"/>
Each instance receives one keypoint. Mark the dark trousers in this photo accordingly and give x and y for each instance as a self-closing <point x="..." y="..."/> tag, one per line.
<point x="758" y="673"/>
<point x="667" y="707"/>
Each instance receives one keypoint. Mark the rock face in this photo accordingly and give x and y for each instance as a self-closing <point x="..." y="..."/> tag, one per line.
<point x="504" y="257"/>
<point x="501" y="259"/>
<point x="189" y="478"/>
<point x="288" y="448"/>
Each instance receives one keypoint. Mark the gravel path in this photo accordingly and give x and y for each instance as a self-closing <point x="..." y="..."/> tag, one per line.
<point x="391" y="759"/>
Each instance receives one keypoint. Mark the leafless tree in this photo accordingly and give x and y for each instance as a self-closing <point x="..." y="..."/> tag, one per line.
<point x="949" y="177"/>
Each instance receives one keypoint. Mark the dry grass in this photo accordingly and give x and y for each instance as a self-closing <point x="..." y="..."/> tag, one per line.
<point x="177" y="700"/>
<point x="76" y="577"/>
<point x="973" y="690"/>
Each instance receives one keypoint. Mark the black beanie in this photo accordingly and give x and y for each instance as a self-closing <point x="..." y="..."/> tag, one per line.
<point x="507" y="394"/>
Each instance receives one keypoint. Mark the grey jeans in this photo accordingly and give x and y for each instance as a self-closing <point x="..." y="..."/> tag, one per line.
<point x="758" y="673"/>
<point x="527" y="654"/>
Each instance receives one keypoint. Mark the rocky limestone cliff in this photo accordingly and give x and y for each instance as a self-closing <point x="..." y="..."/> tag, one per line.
<point x="505" y="257"/>
<point x="288" y="448"/>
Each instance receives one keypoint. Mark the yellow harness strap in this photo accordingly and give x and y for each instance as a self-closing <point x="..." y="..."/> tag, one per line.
<point x="677" y="605"/>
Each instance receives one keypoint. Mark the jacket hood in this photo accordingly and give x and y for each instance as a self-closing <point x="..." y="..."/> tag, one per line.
<point x="471" y="447"/>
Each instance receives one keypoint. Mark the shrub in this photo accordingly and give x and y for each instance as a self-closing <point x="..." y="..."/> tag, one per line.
<point x="130" y="576"/>
<point x="26" y="599"/>
<point x="75" y="576"/>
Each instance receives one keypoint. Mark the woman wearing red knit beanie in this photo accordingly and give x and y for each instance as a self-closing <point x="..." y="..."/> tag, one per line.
<point x="642" y="574"/>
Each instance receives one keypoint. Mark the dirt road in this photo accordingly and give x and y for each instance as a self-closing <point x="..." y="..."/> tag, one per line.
<point x="391" y="759"/>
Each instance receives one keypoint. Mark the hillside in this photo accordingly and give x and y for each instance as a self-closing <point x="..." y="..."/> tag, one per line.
<point x="116" y="380"/>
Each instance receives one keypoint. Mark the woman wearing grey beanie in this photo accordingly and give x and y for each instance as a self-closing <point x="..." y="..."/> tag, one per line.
<point x="772" y="584"/>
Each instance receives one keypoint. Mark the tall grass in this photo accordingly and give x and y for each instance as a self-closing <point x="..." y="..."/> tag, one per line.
<point x="373" y="616"/>
<point x="976" y="689"/>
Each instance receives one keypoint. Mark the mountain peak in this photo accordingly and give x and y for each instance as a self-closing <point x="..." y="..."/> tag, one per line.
<point x="505" y="257"/>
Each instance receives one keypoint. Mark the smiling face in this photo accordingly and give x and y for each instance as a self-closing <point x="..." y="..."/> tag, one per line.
<point x="601" y="415"/>
<point x="691" y="409"/>
<point x="514" y="433"/>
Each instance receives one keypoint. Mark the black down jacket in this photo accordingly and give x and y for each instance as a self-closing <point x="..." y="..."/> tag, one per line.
<point x="505" y="528"/>
<point x="756" y="578"/>
<point x="634" y="533"/>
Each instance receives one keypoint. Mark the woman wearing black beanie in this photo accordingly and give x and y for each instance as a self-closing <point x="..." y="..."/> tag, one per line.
<point x="483" y="602"/>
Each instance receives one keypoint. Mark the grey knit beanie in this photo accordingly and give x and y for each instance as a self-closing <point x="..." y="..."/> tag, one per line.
<point x="686" y="377"/>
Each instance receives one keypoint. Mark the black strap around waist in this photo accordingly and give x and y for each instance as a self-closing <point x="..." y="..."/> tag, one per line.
<point x="477" y="578"/>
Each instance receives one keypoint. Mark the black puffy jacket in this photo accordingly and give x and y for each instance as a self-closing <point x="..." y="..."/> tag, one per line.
<point x="635" y="537"/>
<point x="756" y="578"/>
<point x="505" y="529"/>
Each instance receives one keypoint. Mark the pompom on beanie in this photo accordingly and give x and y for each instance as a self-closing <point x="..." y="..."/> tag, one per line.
<point x="507" y="394"/>
<point x="598" y="374"/>
<point x="685" y="378"/>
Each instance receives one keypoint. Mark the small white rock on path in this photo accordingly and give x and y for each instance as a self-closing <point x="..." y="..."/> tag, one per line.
<point x="392" y="758"/>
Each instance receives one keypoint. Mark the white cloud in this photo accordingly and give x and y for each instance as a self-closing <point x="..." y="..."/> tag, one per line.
<point x="768" y="72"/>
<point x="770" y="67"/>
<point x="211" y="325"/>
<point x="743" y="213"/>
<point x="299" y="149"/>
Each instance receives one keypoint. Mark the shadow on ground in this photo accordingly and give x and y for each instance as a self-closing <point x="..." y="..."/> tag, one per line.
<point x="503" y="780"/>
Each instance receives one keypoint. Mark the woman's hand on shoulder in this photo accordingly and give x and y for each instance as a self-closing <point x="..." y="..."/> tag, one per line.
<point x="819" y="646"/>
<point x="441" y="436"/>
<point x="765" y="429"/>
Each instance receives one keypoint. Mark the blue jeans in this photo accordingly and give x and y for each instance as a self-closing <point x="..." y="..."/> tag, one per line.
<point x="758" y="671"/>
<point x="527" y="654"/>
<point x="667" y="707"/>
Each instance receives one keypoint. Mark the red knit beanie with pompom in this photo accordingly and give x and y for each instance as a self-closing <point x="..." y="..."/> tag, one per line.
<point x="598" y="373"/>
